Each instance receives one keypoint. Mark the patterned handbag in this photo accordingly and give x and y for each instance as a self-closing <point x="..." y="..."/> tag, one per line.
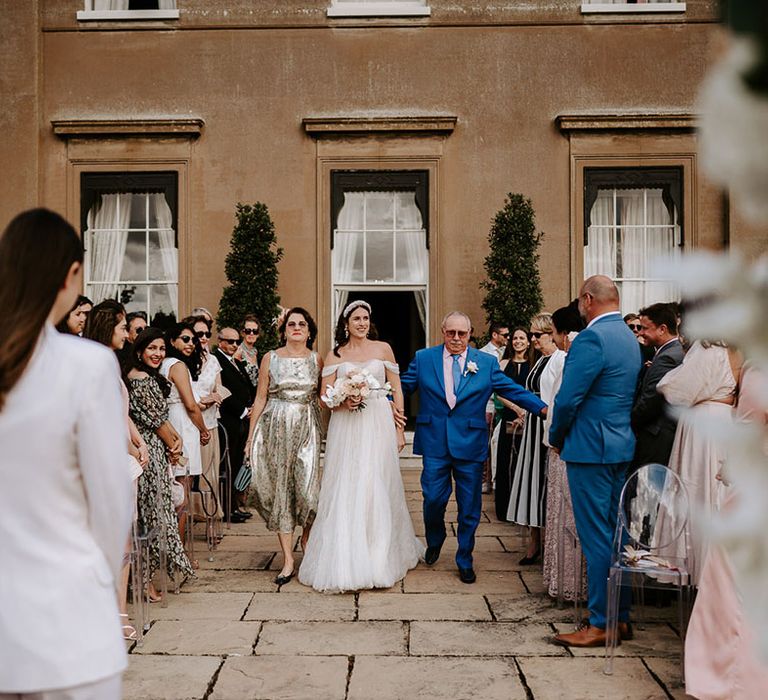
<point x="244" y="476"/>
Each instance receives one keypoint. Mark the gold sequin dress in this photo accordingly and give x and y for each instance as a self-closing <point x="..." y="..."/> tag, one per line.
<point x="286" y="445"/>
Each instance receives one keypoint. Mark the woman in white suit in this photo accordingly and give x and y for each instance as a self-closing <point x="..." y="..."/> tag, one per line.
<point x="65" y="503"/>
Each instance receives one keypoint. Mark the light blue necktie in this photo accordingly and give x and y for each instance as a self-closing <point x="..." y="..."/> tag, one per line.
<point x="456" y="371"/>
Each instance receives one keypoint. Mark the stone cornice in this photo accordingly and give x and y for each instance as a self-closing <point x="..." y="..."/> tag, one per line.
<point x="623" y="122"/>
<point x="327" y="126"/>
<point x="181" y="127"/>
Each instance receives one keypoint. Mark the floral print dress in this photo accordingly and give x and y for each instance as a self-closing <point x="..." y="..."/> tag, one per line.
<point x="149" y="410"/>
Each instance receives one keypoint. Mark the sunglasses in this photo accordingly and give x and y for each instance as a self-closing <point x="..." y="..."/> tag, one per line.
<point x="537" y="334"/>
<point x="504" y="335"/>
<point x="635" y="326"/>
<point x="229" y="340"/>
<point x="458" y="334"/>
<point x="250" y="331"/>
<point x="185" y="338"/>
<point x="203" y="334"/>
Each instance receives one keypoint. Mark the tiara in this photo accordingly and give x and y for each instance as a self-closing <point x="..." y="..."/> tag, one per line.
<point x="353" y="305"/>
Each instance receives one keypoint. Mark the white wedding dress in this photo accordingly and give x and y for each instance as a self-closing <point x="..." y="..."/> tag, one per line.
<point x="362" y="536"/>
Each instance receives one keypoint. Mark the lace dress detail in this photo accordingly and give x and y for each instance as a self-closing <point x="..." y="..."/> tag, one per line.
<point x="363" y="535"/>
<point x="286" y="445"/>
<point x="149" y="410"/>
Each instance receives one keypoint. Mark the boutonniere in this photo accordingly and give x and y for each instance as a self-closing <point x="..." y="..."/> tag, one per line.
<point x="471" y="368"/>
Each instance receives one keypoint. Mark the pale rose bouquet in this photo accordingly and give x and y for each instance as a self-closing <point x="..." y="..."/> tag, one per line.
<point x="355" y="384"/>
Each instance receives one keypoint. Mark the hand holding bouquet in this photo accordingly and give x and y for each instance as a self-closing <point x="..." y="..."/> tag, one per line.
<point x="357" y="384"/>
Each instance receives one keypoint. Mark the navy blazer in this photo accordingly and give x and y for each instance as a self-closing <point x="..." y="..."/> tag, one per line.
<point x="592" y="410"/>
<point x="460" y="432"/>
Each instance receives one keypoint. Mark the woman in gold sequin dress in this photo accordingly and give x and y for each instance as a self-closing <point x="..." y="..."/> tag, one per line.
<point x="284" y="438"/>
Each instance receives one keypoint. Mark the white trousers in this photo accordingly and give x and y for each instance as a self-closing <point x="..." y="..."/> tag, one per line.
<point x="106" y="689"/>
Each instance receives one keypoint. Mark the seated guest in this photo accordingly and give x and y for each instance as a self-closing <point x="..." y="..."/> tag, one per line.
<point x="235" y="411"/>
<point x="653" y="423"/>
<point x="74" y="322"/>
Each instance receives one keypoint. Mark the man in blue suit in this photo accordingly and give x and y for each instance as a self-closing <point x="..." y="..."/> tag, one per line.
<point x="591" y="429"/>
<point x="455" y="383"/>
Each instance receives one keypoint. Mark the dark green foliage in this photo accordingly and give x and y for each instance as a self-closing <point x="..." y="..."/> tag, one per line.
<point x="251" y="268"/>
<point x="513" y="287"/>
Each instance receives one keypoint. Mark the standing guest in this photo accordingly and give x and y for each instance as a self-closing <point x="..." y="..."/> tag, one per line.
<point x="499" y="334"/>
<point x="284" y="437"/>
<point x="149" y="391"/>
<point x="454" y="384"/>
<point x="652" y="421"/>
<point x="181" y="367"/>
<point x="634" y="324"/>
<point x="566" y="325"/>
<point x="516" y="363"/>
<point x="137" y="322"/>
<point x="235" y="410"/>
<point x="202" y="311"/>
<point x="528" y="494"/>
<point x="65" y="504"/>
<point x="592" y="432"/>
<point x="705" y="384"/>
<point x="107" y="325"/>
<point x="207" y="389"/>
<point x="247" y="351"/>
<point x="74" y="322"/>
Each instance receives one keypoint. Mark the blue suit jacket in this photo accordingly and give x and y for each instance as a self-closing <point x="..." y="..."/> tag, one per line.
<point x="460" y="432"/>
<point x="592" y="410"/>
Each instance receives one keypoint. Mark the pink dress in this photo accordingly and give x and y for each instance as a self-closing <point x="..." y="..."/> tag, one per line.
<point x="720" y="659"/>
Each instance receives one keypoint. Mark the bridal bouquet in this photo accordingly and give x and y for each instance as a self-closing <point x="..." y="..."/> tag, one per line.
<point x="357" y="383"/>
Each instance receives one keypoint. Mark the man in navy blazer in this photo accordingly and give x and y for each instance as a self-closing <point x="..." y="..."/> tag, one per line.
<point x="455" y="383"/>
<point x="591" y="429"/>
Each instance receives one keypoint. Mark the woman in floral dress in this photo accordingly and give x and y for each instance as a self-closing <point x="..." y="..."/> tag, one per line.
<point x="149" y="411"/>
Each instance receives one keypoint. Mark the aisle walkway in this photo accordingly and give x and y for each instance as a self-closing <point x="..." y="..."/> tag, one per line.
<point x="234" y="635"/>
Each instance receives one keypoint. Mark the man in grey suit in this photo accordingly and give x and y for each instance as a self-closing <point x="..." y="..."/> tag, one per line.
<point x="652" y="421"/>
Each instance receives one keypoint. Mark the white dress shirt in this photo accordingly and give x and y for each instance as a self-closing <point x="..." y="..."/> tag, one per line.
<point x="65" y="514"/>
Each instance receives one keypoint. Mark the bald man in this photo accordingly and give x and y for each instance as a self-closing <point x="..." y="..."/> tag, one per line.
<point x="591" y="428"/>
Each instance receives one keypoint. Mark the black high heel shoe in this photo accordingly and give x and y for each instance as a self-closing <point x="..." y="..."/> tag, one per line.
<point x="283" y="579"/>
<point x="532" y="559"/>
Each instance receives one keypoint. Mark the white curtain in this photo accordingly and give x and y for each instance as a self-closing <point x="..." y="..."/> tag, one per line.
<point x="600" y="252"/>
<point x="633" y="253"/>
<point x="166" y="4"/>
<point x="169" y="254"/>
<point x="348" y="239"/>
<point x="107" y="225"/>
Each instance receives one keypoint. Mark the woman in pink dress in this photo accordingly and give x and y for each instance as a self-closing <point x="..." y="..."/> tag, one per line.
<point x="720" y="650"/>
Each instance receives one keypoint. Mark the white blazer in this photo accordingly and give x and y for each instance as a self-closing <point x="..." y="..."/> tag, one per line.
<point x="65" y="513"/>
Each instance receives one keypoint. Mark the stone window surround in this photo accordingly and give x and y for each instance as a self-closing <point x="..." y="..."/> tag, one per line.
<point x="88" y="15"/>
<point x="650" y="6"/>
<point x="374" y="8"/>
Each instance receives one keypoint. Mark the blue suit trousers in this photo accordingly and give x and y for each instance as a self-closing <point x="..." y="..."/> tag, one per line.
<point x="436" y="487"/>
<point x="595" y="492"/>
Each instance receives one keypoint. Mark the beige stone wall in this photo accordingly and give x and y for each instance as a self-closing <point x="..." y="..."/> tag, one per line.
<point x="254" y="70"/>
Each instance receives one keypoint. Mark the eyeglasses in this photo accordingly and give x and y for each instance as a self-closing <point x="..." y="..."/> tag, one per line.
<point x="137" y="331"/>
<point x="185" y="338"/>
<point x="537" y="334"/>
<point x="250" y="331"/>
<point x="458" y="334"/>
<point x="229" y="340"/>
<point x="635" y="326"/>
<point x="203" y="334"/>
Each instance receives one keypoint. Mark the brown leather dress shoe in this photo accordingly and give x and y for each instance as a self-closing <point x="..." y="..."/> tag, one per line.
<point x="590" y="636"/>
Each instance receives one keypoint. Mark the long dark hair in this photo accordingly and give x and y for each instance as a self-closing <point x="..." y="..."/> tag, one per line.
<point x="63" y="325"/>
<point x="37" y="250"/>
<point x="148" y="336"/>
<point x="102" y="320"/>
<point x="194" y="362"/>
<point x="509" y="351"/>
<point x="341" y="335"/>
<point x="311" y="325"/>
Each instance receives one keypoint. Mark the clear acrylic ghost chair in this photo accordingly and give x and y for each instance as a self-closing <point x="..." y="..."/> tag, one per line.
<point x="209" y="504"/>
<point x="225" y="475"/>
<point x="653" y="517"/>
<point x="568" y="539"/>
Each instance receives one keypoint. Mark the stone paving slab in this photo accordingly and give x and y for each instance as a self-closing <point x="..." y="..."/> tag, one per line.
<point x="484" y="560"/>
<point x="298" y="606"/>
<point x="656" y="640"/>
<point x="168" y="677"/>
<point x="282" y="678"/>
<point x="200" y="638"/>
<point x="482" y="544"/>
<point x="424" y="580"/>
<point x="671" y="674"/>
<point x="235" y="581"/>
<point x="393" y="678"/>
<point x="295" y="586"/>
<point x="202" y="606"/>
<point x="520" y="607"/>
<point x="569" y="678"/>
<point x="249" y="543"/>
<point x="533" y="579"/>
<point x="254" y="526"/>
<point x="423" y="606"/>
<point x="332" y="638"/>
<point x="482" y="639"/>
<point x="243" y="560"/>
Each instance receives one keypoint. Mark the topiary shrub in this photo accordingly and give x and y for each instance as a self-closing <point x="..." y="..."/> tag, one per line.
<point x="251" y="269"/>
<point x="513" y="286"/>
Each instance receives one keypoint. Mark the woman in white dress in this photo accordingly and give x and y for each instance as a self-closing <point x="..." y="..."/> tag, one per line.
<point x="363" y="535"/>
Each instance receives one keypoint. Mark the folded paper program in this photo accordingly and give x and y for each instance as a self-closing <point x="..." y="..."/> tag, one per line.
<point x="642" y="558"/>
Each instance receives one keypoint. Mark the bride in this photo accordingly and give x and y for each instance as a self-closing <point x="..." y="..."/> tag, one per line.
<point x="363" y="536"/>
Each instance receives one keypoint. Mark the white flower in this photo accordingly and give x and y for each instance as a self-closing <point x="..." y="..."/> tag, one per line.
<point x="471" y="367"/>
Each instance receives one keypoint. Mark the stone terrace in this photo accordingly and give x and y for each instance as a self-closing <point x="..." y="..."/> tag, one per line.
<point x="233" y="634"/>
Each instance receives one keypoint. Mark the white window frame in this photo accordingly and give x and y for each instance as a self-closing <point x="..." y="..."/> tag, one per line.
<point x="608" y="7"/>
<point x="376" y="8"/>
<point x="89" y="14"/>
